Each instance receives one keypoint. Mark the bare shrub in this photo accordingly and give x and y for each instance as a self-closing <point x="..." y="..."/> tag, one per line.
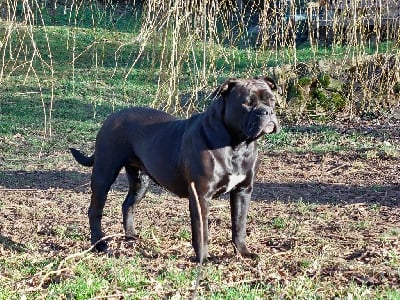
<point x="191" y="45"/>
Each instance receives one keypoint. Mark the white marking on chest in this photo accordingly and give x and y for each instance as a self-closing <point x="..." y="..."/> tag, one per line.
<point x="233" y="181"/>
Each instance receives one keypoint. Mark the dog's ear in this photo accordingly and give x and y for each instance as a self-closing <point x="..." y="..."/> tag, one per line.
<point x="227" y="86"/>
<point x="270" y="81"/>
<point x="217" y="97"/>
<point x="224" y="88"/>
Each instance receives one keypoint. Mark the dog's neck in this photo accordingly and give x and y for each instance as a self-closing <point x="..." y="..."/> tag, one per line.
<point x="220" y="131"/>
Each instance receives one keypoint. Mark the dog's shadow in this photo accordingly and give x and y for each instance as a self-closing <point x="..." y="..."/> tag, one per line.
<point x="57" y="179"/>
<point x="43" y="180"/>
<point x="11" y="245"/>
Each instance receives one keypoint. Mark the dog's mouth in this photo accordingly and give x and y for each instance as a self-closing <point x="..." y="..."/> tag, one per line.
<point x="261" y="123"/>
<point x="270" y="127"/>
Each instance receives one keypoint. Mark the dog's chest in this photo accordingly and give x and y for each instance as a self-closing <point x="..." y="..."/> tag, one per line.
<point x="233" y="168"/>
<point x="234" y="180"/>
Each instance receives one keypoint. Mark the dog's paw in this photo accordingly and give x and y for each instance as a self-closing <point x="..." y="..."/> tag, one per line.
<point x="129" y="237"/>
<point x="244" y="251"/>
<point x="196" y="259"/>
<point x="100" y="246"/>
<point x="251" y="255"/>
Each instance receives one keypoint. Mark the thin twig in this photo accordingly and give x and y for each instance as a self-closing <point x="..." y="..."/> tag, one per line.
<point x="200" y="266"/>
<point x="20" y="190"/>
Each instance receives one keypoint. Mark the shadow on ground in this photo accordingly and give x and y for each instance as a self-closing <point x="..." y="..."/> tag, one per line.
<point x="11" y="245"/>
<point x="325" y="193"/>
<point x="58" y="179"/>
<point x="44" y="180"/>
<point x="309" y="192"/>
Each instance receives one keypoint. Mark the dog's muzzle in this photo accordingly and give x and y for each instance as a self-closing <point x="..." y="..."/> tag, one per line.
<point x="262" y="120"/>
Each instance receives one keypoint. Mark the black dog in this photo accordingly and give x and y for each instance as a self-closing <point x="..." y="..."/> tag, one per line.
<point x="199" y="158"/>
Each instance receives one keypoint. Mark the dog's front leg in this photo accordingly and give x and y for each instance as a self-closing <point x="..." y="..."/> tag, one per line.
<point x="199" y="211"/>
<point x="240" y="200"/>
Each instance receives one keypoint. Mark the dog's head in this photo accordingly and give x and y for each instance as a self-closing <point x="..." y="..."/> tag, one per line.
<point x="249" y="106"/>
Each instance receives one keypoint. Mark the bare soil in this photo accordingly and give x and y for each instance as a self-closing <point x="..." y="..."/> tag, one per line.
<point x="334" y="218"/>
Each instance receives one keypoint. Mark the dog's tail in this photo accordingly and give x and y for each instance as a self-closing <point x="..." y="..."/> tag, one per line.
<point x="84" y="160"/>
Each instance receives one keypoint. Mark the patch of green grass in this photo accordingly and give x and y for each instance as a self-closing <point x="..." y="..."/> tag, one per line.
<point x="184" y="234"/>
<point x="305" y="263"/>
<point x="394" y="259"/>
<point x="297" y="139"/>
<point x="363" y="224"/>
<point x="389" y="294"/>
<point x="300" y="288"/>
<point x="241" y="291"/>
<point x="6" y="293"/>
<point x="324" y="139"/>
<point x="390" y="234"/>
<point x="74" y="114"/>
<point x="17" y="268"/>
<point x="305" y="208"/>
<point x="279" y="223"/>
<point x="94" y="15"/>
<point x="28" y="267"/>
<point x="71" y="231"/>
<point x="81" y="287"/>
<point x="176" y="278"/>
<point x="123" y="273"/>
<point x="375" y="207"/>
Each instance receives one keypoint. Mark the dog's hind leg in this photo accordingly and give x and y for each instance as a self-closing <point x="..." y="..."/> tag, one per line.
<point x="103" y="176"/>
<point x="138" y="184"/>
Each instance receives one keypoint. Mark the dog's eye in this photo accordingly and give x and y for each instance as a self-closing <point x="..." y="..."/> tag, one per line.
<point x="252" y="100"/>
<point x="271" y="102"/>
<point x="267" y="98"/>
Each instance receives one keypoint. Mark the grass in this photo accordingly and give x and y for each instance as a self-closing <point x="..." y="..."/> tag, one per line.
<point x="44" y="194"/>
<point x="321" y="138"/>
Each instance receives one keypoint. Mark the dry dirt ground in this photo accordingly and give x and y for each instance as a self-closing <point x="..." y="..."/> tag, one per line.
<point x="334" y="218"/>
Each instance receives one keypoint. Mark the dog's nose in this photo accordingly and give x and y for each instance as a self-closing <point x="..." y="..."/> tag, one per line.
<point x="268" y="111"/>
<point x="263" y="112"/>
